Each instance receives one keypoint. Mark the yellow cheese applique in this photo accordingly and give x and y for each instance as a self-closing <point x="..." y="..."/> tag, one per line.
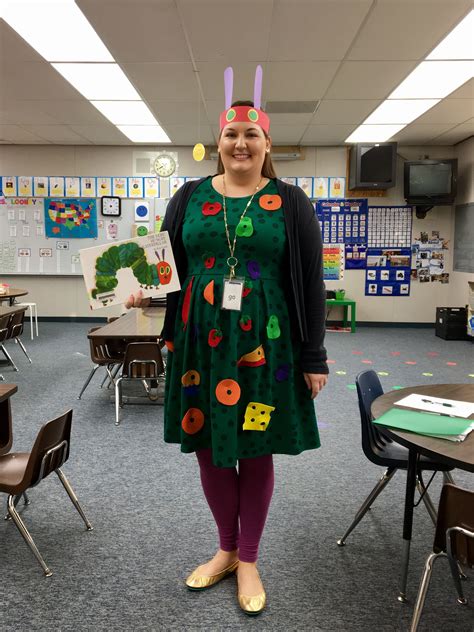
<point x="254" y="358"/>
<point x="257" y="416"/>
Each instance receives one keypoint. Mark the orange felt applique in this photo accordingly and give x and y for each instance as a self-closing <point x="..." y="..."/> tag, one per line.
<point x="254" y="358"/>
<point x="209" y="292"/>
<point x="228" y="392"/>
<point x="191" y="378"/>
<point x="169" y="345"/>
<point x="193" y="421"/>
<point x="270" y="202"/>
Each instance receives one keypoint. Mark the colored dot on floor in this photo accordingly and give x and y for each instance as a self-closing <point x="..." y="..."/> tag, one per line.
<point x="452" y="363"/>
<point x="432" y="354"/>
<point x="382" y="373"/>
<point x="351" y="387"/>
<point x="331" y="361"/>
<point x="366" y="361"/>
<point x="395" y="353"/>
<point x="396" y="388"/>
<point x="357" y="353"/>
<point x="427" y="374"/>
<point x="411" y="362"/>
<point x="340" y="372"/>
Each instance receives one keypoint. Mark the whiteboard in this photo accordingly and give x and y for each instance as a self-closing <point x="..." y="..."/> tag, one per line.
<point x="464" y="238"/>
<point x="25" y="249"/>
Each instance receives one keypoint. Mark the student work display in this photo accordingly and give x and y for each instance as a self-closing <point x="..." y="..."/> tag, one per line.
<point x="41" y="235"/>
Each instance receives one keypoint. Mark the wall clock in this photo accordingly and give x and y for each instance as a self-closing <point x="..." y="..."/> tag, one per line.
<point x="164" y="165"/>
<point x="110" y="206"/>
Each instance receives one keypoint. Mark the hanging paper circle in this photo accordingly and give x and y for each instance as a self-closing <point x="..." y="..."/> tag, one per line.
<point x="230" y="116"/>
<point x="199" y="152"/>
<point x="252" y="115"/>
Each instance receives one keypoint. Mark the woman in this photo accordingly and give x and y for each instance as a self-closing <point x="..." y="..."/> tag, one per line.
<point x="245" y="338"/>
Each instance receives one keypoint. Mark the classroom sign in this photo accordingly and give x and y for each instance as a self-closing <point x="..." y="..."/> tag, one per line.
<point x="113" y="272"/>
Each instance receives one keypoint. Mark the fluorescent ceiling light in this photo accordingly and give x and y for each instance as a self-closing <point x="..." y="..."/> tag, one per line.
<point x="99" y="82"/>
<point x="434" y="80"/>
<point x="144" y="133"/>
<point x="400" y="111"/>
<point x="459" y="44"/>
<point x="373" y="133"/>
<point x="56" y="29"/>
<point x="126" y="112"/>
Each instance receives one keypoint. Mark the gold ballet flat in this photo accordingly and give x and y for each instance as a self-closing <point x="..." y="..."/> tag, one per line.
<point x="253" y="605"/>
<point x="200" y="582"/>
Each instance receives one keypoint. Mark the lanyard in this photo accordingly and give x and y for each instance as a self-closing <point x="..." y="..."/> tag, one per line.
<point x="232" y="261"/>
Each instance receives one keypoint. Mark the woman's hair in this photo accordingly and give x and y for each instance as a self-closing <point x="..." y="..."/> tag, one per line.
<point x="268" y="170"/>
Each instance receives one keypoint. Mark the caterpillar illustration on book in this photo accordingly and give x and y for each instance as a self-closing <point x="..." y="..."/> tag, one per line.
<point x="128" y="255"/>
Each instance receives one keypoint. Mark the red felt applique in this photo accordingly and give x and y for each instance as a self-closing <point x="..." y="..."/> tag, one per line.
<point x="211" y="208"/>
<point x="214" y="338"/>
<point x="169" y="345"/>
<point x="193" y="421"/>
<point x="248" y="287"/>
<point x="209" y="260"/>
<point x="245" y="323"/>
<point x="187" y="303"/>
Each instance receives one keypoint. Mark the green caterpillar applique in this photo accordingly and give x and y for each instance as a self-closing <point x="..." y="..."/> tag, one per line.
<point x="128" y="255"/>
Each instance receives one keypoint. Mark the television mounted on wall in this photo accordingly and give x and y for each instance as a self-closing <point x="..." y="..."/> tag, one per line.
<point x="430" y="182"/>
<point x="372" y="166"/>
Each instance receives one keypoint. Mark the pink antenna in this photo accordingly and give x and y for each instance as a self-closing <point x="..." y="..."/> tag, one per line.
<point x="257" y="90"/>
<point x="228" y="86"/>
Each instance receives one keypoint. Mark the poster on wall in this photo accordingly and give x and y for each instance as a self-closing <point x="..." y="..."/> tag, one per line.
<point x="333" y="262"/>
<point x="66" y="218"/>
<point x="9" y="186"/>
<point x="389" y="226"/>
<point x="88" y="187"/>
<point x="388" y="272"/>
<point x="113" y="272"/>
<point x="428" y="262"/>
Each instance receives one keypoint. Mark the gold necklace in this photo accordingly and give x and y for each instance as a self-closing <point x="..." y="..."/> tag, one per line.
<point x="232" y="261"/>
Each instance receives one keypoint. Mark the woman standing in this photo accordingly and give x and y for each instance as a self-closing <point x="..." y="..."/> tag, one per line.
<point x="245" y="336"/>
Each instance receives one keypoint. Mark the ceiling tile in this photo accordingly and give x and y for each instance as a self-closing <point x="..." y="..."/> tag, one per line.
<point x="187" y="134"/>
<point x="55" y="133"/>
<point x="464" y="92"/>
<point x="339" y="111"/>
<point x="35" y="79"/>
<point x="456" y="134"/>
<point x="326" y="135"/>
<point x="15" y="133"/>
<point x="448" y="111"/>
<point x="25" y="112"/>
<point x="12" y="46"/>
<point x="286" y="134"/>
<point x="368" y="79"/>
<point x="178" y="112"/>
<point x="415" y="133"/>
<point x="72" y="112"/>
<point x="101" y="134"/>
<point x="220" y="29"/>
<point x="406" y="29"/>
<point x="138" y="31"/>
<point x="299" y="81"/>
<point x="314" y="37"/>
<point x="163" y="81"/>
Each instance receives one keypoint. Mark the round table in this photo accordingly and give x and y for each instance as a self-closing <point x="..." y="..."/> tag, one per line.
<point x="12" y="293"/>
<point x="457" y="454"/>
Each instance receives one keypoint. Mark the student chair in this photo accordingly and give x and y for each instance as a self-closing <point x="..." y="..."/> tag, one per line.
<point x="19" y="471"/>
<point x="4" y="335"/>
<point x="33" y="316"/>
<point x="382" y="451"/>
<point x="454" y="539"/>
<point x="16" y="329"/>
<point x="103" y="353"/>
<point x="142" y="361"/>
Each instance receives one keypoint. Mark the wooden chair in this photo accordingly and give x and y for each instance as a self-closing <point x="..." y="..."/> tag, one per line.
<point x="454" y="539"/>
<point x="105" y="354"/>
<point x="19" y="471"/>
<point x="142" y="361"/>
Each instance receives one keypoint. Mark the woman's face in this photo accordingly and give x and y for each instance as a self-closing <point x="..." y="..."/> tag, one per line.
<point x="242" y="147"/>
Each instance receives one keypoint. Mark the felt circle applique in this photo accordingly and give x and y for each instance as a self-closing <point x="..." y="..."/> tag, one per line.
<point x="191" y="378"/>
<point x="270" y="202"/>
<point x="252" y="115"/>
<point x="273" y="327"/>
<point x="192" y="421"/>
<point x="253" y="270"/>
<point x="244" y="227"/>
<point x="228" y="392"/>
<point x="211" y="208"/>
<point x="257" y="416"/>
<point x="230" y="116"/>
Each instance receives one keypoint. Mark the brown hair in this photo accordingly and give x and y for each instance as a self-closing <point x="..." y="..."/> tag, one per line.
<point x="268" y="170"/>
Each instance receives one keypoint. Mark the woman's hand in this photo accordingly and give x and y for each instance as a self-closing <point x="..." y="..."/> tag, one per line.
<point x="137" y="300"/>
<point x="315" y="382"/>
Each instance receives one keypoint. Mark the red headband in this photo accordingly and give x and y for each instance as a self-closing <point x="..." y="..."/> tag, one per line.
<point x="245" y="114"/>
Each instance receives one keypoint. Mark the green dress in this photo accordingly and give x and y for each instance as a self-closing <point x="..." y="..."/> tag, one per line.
<point x="233" y="381"/>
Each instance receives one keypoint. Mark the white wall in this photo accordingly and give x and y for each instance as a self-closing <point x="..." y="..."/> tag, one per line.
<point x="65" y="296"/>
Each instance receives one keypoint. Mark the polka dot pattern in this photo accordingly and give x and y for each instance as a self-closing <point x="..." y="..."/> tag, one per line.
<point x="226" y="355"/>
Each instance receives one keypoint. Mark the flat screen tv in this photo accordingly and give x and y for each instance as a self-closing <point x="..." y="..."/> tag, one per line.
<point x="430" y="182"/>
<point x="372" y="166"/>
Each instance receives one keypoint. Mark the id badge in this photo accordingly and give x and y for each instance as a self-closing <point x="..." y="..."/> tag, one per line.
<point x="232" y="293"/>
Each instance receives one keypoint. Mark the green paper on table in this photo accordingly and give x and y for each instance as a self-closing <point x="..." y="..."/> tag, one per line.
<point x="423" y="423"/>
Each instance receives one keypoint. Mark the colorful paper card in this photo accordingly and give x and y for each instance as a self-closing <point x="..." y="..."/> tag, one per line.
<point x="88" y="187"/>
<point x="113" y="272"/>
<point x="9" y="186"/>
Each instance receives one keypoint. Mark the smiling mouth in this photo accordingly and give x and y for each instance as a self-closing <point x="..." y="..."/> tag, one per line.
<point x="241" y="156"/>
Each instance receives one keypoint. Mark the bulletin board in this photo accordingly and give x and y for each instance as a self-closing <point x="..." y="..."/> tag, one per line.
<point x="34" y="241"/>
<point x="464" y="238"/>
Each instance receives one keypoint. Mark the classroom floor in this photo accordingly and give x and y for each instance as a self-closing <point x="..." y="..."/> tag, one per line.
<point x="152" y="525"/>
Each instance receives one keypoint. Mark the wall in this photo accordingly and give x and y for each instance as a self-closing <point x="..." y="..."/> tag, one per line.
<point x="66" y="296"/>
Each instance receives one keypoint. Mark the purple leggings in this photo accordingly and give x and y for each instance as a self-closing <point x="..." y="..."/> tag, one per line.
<point x="232" y="496"/>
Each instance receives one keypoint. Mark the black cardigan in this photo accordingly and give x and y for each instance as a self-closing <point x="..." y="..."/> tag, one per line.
<point x="305" y="288"/>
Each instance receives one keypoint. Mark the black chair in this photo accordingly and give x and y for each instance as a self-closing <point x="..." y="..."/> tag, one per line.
<point x="454" y="539"/>
<point x="16" y="329"/>
<point x="382" y="451"/>
<point x="4" y="336"/>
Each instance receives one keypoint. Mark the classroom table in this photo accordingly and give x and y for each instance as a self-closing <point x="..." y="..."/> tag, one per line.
<point x="6" y="435"/>
<point x="137" y="324"/>
<point x="346" y="303"/>
<point x="456" y="454"/>
<point x="6" y="311"/>
<point x="11" y="294"/>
